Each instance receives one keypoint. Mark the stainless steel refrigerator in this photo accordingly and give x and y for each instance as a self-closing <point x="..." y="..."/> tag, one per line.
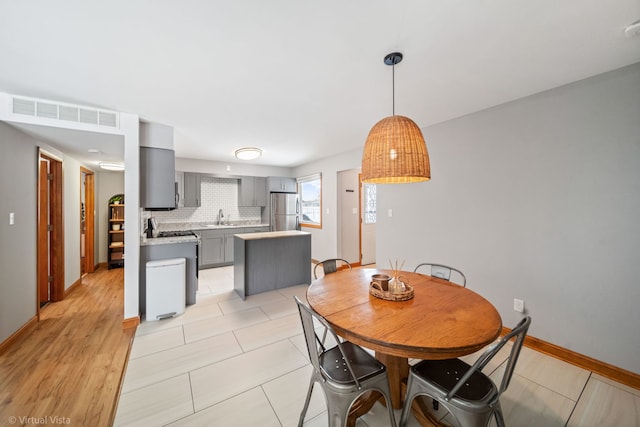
<point x="285" y="212"/>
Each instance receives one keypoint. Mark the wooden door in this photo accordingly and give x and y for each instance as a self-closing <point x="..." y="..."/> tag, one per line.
<point x="44" y="240"/>
<point x="50" y="225"/>
<point x="87" y="224"/>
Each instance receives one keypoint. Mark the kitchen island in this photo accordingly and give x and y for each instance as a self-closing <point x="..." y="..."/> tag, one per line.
<point x="271" y="260"/>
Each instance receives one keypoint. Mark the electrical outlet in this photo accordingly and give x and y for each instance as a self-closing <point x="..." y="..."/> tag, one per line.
<point x="518" y="305"/>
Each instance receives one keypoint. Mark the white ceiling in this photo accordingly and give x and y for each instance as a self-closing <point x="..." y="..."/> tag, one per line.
<point x="302" y="80"/>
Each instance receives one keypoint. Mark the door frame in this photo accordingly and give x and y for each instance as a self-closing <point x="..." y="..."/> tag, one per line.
<point x="89" y="216"/>
<point x="53" y="261"/>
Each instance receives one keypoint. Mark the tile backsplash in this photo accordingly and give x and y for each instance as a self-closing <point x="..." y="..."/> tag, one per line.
<point x="216" y="194"/>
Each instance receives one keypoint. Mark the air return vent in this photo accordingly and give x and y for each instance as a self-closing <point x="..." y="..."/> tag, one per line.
<point x="66" y="112"/>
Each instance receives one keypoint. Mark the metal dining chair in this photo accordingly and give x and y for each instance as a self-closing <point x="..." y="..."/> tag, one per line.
<point x="330" y="266"/>
<point x="443" y="272"/>
<point x="469" y="395"/>
<point x="344" y="371"/>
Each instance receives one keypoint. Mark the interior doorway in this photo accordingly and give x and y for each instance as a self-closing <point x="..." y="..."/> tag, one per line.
<point x="87" y="218"/>
<point x="349" y="247"/>
<point x="50" y="247"/>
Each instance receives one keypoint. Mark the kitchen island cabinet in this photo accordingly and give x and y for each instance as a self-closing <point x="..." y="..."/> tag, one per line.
<point x="271" y="260"/>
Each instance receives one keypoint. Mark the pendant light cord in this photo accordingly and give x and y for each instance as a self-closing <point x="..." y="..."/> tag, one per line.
<point x="393" y="89"/>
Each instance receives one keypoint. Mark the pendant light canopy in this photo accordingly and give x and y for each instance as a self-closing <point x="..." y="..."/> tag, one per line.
<point x="395" y="151"/>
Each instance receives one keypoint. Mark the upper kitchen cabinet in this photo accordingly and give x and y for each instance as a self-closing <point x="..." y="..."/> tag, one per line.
<point x="179" y="189"/>
<point x="279" y="184"/>
<point x="252" y="191"/>
<point x="192" y="190"/>
<point x="157" y="167"/>
<point x="157" y="178"/>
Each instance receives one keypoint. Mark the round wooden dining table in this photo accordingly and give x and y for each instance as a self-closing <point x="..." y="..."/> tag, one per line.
<point x="443" y="320"/>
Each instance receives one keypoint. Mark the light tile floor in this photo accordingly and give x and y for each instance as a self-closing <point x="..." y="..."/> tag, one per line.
<point x="229" y="362"/>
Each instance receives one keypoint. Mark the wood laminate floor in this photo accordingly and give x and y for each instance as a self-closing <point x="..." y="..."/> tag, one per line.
<point x="67" y="370"/>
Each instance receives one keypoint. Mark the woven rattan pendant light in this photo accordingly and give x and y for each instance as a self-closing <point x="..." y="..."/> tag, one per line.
<point x="395" y="151"/>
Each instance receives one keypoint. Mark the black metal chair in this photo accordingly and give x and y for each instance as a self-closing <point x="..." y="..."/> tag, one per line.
<point x="444" y="272"/>
<point x="469" y="395"/>
<point x="345" y="371"/>
<point x="330" y="266"/>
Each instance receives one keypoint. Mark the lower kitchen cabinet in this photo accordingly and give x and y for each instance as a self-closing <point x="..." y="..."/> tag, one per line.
<point x="212" y="248"/>
<point x="216" y="246"/>
<point x="187" y="250"/>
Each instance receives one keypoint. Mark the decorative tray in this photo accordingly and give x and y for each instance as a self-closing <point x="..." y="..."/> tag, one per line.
<point x="376" y="290"/>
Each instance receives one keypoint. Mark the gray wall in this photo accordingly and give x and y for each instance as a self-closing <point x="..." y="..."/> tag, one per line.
<point x="18" y="180"/>
<point x="71" y="211"/>
<point x="18" y="190"/>
<point x="324" y="241"/>
<point x="538" y="199"/>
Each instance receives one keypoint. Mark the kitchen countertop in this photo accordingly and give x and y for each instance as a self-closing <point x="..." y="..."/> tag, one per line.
<point x="196" y="226"/>
<point x="148" y="241"/>
<point x="271" y="234"/>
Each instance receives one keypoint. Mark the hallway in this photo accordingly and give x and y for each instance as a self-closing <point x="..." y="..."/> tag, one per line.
<point x="70" y="364"/>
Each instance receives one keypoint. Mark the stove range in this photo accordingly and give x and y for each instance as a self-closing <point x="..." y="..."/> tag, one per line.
<point x="176" y="233"/>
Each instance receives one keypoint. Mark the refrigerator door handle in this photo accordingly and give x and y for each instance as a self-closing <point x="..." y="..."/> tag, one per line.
<point x="297" y="205"/>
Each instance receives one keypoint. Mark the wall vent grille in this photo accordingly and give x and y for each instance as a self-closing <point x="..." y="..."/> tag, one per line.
<point x="66" y="112"/>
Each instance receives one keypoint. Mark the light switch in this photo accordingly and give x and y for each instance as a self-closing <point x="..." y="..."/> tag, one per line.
<point x="354" y="211"/>
<point x="390" y="213"/>
<point x="327" y="211"/>
<point x="12" y="218"/>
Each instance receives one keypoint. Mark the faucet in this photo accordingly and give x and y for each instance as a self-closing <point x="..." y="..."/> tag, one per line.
<point x="220" y="217"/>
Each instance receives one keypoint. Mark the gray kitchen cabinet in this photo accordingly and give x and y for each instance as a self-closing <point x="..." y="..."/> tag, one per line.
<point x="157" y="178"/>
<point x="228" y="247"/>
<point x="271" y="261"/>
<point x="179" y="189"/>
<point x="252" y="191"/>
<point x="280" y="184"/>
<point x="187" y="250"/>
<point x="216" y="247"/>
<point x="256" y="229"/>
<point x="192" y="190"/>
<point x="212" y="247"/>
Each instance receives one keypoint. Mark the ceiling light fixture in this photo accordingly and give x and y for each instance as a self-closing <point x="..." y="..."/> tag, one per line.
<point x="111" y="166"/>
<point x="395" y="151"/>
<point x="248" y="153"/>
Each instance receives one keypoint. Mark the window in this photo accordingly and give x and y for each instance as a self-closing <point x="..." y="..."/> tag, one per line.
<point x="369" y="203"/>
<point x="310" y="190"/>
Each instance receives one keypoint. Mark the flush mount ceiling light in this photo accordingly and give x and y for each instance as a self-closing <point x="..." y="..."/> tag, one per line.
<point x="248" y="153"/>
<point x="111" y="166"/>
<point x="395" y="151"/>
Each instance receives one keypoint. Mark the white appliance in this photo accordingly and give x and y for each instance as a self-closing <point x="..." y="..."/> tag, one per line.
<point x="165" y="288"/>
<point x="285" y="211"/>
